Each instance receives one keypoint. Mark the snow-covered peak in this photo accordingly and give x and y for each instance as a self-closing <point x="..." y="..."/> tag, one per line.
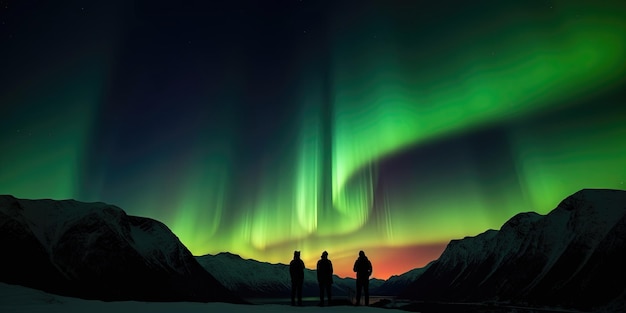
<point x="549" y="259"/>
<point x="96" y="250"/>
<point x="48" y="218"/>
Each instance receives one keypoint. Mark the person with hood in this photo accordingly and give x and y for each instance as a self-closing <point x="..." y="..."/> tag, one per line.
<point x="325" y="277"/>
<point x="296" y="271"/>
<point x="363" y="269"/>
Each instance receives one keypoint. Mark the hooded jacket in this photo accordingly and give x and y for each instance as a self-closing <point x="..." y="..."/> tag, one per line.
<point x="362" y="267"/>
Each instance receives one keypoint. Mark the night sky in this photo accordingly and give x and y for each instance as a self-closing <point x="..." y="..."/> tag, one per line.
<point x="263" y="127"/>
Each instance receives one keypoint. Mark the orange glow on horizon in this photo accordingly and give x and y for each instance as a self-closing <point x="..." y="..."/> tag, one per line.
<point x="386" y="261"/>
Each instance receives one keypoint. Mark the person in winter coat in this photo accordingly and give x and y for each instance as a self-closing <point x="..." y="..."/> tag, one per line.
<point x="363" y="269"/>
<point x="325" y="277"/>
<point x="296" y="271"/>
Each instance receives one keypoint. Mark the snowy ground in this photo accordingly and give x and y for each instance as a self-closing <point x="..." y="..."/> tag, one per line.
<point x="15" y="298"/>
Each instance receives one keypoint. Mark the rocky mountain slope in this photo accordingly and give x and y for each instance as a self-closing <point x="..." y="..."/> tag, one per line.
<point x="96" y="251"/>
<point x="572" y="257"/>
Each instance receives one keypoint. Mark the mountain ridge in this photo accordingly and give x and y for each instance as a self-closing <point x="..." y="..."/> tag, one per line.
<point x="96" y="251"/>
<point x="552" y="259"/>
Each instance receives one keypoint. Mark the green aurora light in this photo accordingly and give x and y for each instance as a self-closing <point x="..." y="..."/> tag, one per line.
<point x="383" y="88"/>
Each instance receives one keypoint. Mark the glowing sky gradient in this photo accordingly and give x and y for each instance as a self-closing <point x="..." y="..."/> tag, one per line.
<point x="260" y="127"/>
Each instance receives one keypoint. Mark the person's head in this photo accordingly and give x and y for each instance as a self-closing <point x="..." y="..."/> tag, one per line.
<point x="296" y="254"/>
<point x="324" y="255"/>
<point x="361" y="253"/>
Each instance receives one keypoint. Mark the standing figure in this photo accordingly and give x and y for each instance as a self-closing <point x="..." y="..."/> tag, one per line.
<point x="363" y="269"/>
<point x="296" y="271"/>
<point x="325" y="277"/>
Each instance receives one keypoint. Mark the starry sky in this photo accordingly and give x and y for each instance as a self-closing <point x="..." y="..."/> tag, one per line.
<point x="264" y="127"/>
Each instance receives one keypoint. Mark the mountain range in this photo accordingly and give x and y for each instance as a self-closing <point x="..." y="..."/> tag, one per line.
<point x="571" y="257"/>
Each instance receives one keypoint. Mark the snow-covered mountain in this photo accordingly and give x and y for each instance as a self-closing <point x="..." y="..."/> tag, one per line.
<point x="96" y="251"/>
<point x="573" y="257"/>
<point x="254" y="279"/>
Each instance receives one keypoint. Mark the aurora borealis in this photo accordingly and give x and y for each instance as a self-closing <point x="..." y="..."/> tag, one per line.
<point x="263" y="127"/>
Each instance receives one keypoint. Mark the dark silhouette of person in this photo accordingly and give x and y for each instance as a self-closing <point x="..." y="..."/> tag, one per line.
<point x="363" y="269"/>
<point x="325" y="278"/>
<point x="296" y="271"/>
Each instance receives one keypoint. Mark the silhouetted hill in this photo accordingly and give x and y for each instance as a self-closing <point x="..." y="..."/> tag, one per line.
<point x="96" y="251"/>
<point x="572" y="257"/>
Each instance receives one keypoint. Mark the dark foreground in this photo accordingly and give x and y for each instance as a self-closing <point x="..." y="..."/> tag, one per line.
<point x="473" y="308"/>
<point x="422" y="307"/>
